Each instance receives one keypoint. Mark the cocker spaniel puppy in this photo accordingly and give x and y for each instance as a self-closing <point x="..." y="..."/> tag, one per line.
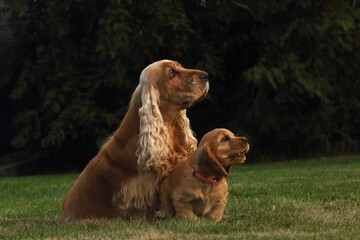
<point x="152" y="139"/>
<point x="198" y="187"/>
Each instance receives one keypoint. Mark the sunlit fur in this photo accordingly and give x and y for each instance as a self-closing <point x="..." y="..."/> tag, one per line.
<point x="152" y="139"/>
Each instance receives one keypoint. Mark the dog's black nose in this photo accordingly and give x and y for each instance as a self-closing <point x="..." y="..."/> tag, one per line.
<point x="244" y="140"/>
<point x="204" y="76"/>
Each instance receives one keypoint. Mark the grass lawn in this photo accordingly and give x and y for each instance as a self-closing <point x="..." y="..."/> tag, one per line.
<point x="313" y="199"/>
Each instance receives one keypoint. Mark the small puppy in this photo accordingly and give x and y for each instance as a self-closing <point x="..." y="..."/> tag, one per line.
<point x="198" y="187"/>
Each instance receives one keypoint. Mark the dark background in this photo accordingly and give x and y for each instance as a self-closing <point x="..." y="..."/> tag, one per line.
<point x="285" y="74"/>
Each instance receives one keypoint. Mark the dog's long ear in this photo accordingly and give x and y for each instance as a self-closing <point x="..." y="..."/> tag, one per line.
<point x="208" y="164"/>
<point x="184" y="133"/>
<point x="153" y="149"/>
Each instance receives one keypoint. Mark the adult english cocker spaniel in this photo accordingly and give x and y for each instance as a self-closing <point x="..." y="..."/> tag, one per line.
<point x="154" y="136"/>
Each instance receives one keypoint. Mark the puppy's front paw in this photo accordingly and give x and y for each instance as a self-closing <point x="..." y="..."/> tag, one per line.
<point x="187" y="216"/>
<point x="164" y="213"/>
<point x="160" y="214"/>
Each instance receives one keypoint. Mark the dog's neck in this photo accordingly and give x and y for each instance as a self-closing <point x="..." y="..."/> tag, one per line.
<point x="130" y="124"/>
<point x="129" y="129"/>
<point x="202" y="178"/>
<point x="206" y="167"/>
<point x="169" y="112"/>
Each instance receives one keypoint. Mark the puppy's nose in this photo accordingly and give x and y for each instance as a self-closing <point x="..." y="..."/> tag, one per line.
<point x="204" y="76"/>
<point x="244" y="140"/>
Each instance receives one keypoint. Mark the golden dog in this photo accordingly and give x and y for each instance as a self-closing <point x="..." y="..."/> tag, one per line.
<point x="154" y="136"/>
<point x="198" y="187"/>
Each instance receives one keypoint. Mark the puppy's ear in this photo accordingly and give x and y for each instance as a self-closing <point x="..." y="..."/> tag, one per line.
<point x="208" y="162"/>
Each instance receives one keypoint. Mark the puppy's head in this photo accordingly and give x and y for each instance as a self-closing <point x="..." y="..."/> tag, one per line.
<point x="220" y="149"/>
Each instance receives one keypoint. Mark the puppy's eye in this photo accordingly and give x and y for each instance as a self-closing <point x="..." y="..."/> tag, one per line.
<point x="225" y="139"/>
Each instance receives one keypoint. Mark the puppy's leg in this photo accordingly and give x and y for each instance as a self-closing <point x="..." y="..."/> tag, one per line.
<point x="184" y="210"/>
<point x="217" y="210"/>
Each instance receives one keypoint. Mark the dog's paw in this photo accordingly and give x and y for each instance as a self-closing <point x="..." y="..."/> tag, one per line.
<point x="161" y="214"/>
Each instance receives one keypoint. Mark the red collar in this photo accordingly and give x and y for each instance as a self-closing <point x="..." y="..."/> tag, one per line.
<point x="201" y="177"/>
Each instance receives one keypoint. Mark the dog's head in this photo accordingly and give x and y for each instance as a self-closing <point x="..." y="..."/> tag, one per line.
<point x="175" y="85"/>
<point x="220" y="149"/>
<point x="167" y="89"/>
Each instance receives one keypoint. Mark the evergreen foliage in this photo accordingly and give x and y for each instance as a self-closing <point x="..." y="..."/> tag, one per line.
<point x="285" y="74"/>
<point x="307" y="82"/>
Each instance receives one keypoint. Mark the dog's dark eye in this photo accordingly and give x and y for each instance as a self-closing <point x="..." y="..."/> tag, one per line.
<point x="172" y="73"/>
<point x="224" y="139"/>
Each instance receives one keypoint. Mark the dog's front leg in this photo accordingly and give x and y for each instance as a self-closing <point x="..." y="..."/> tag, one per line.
<point x="184" y="210"/>
<point x="216" y="213"/>
<point x="217" y="210"/>
<point x="166" y="205"/>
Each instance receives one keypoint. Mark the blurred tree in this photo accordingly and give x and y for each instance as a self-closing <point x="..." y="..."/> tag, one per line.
<point x="283" y="74"/>
<point x="305" y="86"/>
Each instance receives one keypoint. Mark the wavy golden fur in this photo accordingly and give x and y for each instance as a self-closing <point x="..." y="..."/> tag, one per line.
<point x="152" y="139"/>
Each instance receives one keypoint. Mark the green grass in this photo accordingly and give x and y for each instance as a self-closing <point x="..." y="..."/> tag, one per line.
<point x="313" y="199"/>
